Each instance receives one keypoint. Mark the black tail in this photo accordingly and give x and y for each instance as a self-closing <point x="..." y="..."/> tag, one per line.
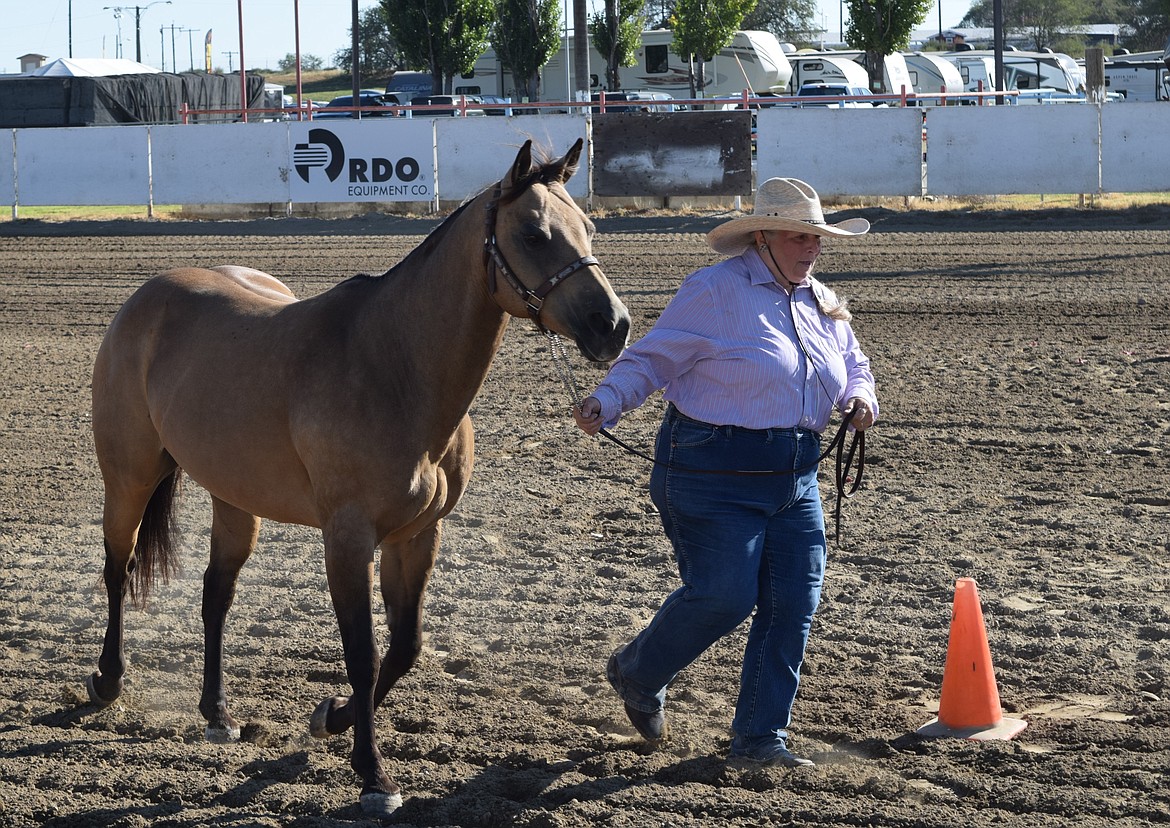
<point x="154" y="554"/>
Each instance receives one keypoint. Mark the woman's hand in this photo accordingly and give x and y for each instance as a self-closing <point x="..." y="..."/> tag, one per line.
<point x="588" y="415"/>
<point x="862" y="414"/>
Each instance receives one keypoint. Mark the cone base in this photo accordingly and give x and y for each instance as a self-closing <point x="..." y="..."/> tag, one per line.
<point x="1005" y="728"/>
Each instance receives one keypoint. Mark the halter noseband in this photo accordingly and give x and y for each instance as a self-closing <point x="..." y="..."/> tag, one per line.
<point x="493" y="260"/>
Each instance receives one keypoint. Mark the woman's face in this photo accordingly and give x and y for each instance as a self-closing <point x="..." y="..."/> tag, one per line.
<point x="795" y="253"/>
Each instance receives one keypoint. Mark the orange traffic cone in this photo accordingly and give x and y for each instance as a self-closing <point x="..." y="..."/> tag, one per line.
<point x="969" y="706"/>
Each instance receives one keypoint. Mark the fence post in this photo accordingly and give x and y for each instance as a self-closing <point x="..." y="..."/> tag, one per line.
<point x="1095" y="74"/>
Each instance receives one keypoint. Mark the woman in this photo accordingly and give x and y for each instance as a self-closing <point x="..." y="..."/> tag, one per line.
<point x="753" y="355"/>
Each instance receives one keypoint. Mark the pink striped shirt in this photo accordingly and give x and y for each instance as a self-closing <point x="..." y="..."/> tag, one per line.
<point x="732" y="348"/>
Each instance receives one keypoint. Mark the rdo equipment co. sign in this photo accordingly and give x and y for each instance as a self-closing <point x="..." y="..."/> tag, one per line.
<point x="354" y="161"/>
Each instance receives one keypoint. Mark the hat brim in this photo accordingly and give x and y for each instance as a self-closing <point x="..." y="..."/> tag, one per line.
<point x="732" y="237"/>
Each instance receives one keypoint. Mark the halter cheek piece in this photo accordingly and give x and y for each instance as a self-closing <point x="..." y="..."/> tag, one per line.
<point x="493" y="260"/>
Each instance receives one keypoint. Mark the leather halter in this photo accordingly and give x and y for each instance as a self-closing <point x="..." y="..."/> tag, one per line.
<point x="493" y="260"/>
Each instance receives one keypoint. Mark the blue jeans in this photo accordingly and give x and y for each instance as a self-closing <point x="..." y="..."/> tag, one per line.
<point x="742" y="543"/>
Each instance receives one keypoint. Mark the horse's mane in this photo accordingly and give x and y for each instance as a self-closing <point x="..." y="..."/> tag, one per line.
<point x="544" y="172"/>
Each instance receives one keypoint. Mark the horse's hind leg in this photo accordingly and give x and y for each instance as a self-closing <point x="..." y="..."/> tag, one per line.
<point x="404" y="572"/>
<point x="131" y="511"/>
<point x="233" y="537"/>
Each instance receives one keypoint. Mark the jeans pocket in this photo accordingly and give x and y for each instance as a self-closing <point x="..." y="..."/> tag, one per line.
<point x="688" y="433"/>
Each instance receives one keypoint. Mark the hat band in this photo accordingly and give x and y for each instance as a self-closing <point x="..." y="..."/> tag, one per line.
<point x="817" y="222"/>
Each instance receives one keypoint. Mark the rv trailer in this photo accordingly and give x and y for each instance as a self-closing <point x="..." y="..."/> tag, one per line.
<point x="930" y="73"/>
<point x="753" y="60"/>
<point x="895" y="74"/>
<point x="824" y="67"/>
<point x="1137" y="77"/>
<point x="1040" y="77"/>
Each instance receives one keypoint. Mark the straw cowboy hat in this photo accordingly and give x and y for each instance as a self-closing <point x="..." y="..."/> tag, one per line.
<point x="781" y="204"/>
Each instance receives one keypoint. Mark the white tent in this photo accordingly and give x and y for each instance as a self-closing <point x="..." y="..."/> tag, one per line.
<point x="92" y="67"/>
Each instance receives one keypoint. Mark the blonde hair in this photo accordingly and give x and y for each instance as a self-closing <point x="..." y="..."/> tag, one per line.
<point x="828" y="303"/>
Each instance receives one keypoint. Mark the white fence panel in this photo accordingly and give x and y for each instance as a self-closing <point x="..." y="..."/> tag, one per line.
<point x="842" y="152"/>
<point x="1004" y="150"/>
<point x="82" y="165"/>
<point x="7" y="181"/>
<point x="365" y="160"/>
<point x="1135" y="147"/>
<point x="220" y="163"/>
<point x="474" y="153"/>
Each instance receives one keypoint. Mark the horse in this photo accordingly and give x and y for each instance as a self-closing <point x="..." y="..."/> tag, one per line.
<point x="346" y="412"/>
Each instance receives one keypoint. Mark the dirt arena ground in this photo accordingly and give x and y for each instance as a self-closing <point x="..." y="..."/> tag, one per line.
<point x="1024" y="370"/>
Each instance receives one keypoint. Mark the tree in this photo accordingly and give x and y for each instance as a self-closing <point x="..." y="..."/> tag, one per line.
<point x="446" y="36"/>
<point x="309" y="63"/>
<point x="627" y="19"/>
<point x="702" y="28"/>
<point x="789" y="20"/>
<point x="1150" y="21"/>
<point x="525" y="36"/>
<point x="378" y="50"/>
<point x="1048" y="21"/>
<point x="882" y="27"/>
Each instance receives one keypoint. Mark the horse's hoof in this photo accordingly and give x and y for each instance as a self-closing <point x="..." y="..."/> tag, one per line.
<point x="319" y="721"/>
<point x="96" y="697"/>
<point x="222" y="735"/>
<point x="380" y="805"/>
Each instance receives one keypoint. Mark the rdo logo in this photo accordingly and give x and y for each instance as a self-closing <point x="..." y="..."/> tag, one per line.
<point x="324" y="151"/>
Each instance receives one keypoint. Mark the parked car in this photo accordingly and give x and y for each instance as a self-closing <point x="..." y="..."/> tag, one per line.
<point x="819" y="90"/>
<point x="634" y="101"/>
<point x="495" y="110"/>
<point x="452" y="101"/>
<point x="341" y="106"/>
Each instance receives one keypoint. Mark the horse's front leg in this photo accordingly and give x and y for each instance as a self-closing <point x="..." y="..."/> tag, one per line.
<point x="349" y="565"/>
<point x="233" y="538"/>
<point x="405" y="570"/>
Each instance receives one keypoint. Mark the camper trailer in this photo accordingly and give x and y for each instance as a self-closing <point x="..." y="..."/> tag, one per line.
<point x="824" y="67"/>
<point x="753" y="60"/>
<point x="930" y="73"/>
<point x="1040" y="77"/>
<point x="1137" y="77"/>
<point x="895" y="74"/>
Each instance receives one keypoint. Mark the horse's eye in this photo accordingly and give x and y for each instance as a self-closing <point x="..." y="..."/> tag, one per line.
<point x="533" y="237"/>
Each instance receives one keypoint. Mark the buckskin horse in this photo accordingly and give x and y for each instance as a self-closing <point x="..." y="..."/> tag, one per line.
<point x="347" y="411"/>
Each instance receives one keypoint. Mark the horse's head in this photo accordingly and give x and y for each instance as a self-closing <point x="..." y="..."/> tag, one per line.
<point x="540" y="243"/>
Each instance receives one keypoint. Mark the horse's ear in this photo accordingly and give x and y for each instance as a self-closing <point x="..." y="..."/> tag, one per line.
<point x="568" y="164"/>
<point x="522" y="164"/>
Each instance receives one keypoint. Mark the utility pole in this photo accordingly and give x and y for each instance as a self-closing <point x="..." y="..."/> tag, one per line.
<point x="174" y="61"/>
<point x="190" y="47"/>
<point x="138" y="10"/>
<point x="229" y="57"/>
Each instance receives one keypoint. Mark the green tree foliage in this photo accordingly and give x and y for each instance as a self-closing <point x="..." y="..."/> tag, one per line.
<point x="1051" y="22"/>
<point x="789" y="20"/>
<point x="526" y="34"/>
<point x="1043" y="20"/>
<point x="882" y="27"/>
<point x="703" y="27"/>
<point x="446" y="36"/>
<point x="1150" y="21"/>
<point x="378" y="52"/>
<point x="626" y="18"/>
<point x="309" y="63"/>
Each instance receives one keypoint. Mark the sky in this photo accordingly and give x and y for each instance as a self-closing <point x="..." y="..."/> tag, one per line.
<point x="42" y="27"/>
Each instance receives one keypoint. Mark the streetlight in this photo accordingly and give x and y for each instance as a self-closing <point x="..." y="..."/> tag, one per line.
<point x="138" y="23"/>
<point x="118" y="19"/>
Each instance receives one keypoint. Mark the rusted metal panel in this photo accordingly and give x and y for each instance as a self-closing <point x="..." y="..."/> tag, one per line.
<point x="672" y="153"/>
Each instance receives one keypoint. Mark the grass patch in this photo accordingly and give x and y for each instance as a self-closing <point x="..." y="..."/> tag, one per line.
<point x="101" y="212"/>
<point x="324" y="85"/>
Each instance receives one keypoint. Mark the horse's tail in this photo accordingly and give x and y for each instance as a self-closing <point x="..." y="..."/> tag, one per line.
<point x="154" y="553"/>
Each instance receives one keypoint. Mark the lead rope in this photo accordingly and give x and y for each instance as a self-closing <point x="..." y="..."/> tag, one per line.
<point x="849" y="463"/>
